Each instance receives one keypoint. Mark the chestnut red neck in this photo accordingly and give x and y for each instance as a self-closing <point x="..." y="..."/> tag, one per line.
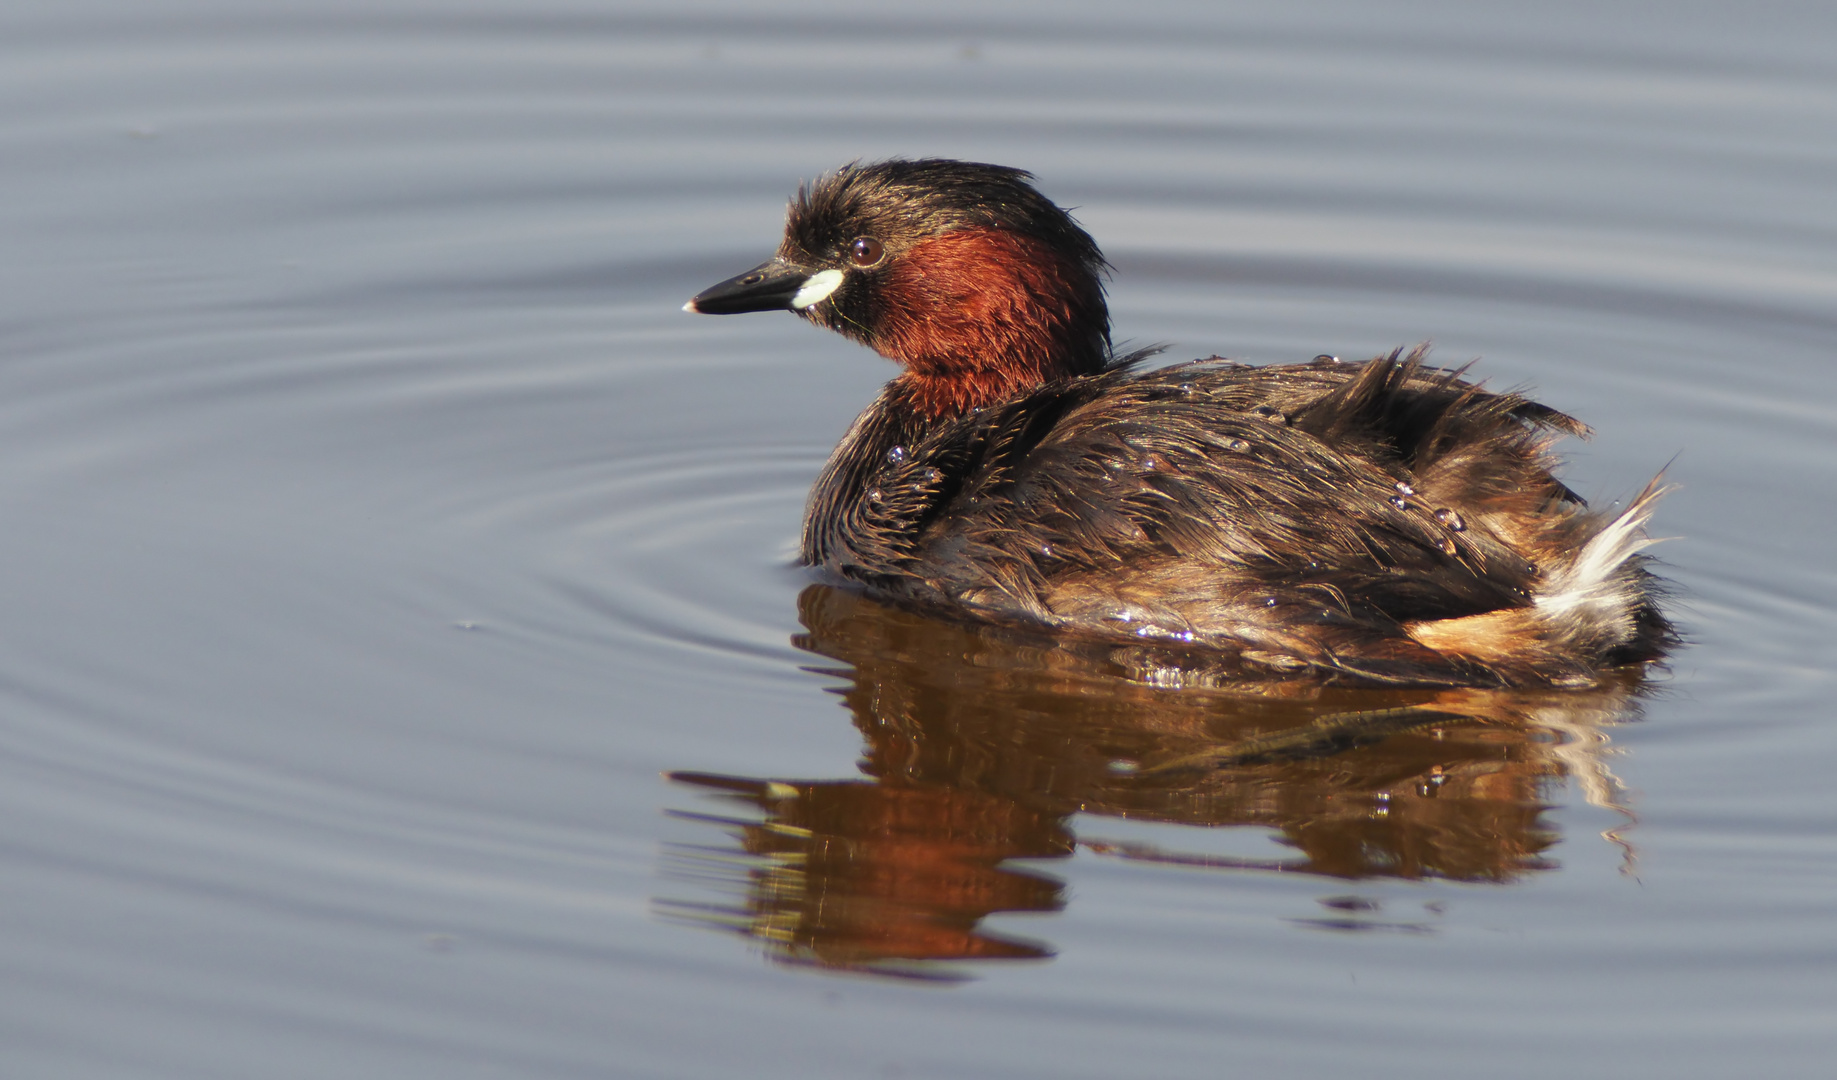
<point x="979" y="315"/>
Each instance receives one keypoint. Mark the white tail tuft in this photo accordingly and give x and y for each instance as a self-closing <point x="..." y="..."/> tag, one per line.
<point x="1593" y="600"/>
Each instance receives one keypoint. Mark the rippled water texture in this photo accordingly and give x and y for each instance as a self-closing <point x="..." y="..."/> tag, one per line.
<point x="380" y="539"/>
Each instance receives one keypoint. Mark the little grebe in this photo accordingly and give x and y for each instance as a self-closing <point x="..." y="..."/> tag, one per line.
<point x="1383" y="521"/>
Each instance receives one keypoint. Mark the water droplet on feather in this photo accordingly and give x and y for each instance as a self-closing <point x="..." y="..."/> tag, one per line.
<point x="1452" y="519"/>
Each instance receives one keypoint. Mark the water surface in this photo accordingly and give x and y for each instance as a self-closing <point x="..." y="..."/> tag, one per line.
<point x="380" y="534"/>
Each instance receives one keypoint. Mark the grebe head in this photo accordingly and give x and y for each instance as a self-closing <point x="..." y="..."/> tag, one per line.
<point x="976" y="283"/>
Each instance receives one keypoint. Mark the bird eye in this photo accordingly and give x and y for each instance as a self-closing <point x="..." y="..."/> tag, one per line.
<point x="866" y="251"/>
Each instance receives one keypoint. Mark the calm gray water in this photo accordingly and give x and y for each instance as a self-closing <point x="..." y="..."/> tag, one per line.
<point x="378" y="534"/>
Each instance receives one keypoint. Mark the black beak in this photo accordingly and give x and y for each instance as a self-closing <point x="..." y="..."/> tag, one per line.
<point x="770" y="286"/>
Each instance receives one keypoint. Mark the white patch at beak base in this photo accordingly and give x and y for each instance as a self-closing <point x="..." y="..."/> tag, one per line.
<point x="816" y="287"/>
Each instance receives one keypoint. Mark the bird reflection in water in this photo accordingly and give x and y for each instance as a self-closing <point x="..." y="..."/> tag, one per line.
<point x="980" y="746"/>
